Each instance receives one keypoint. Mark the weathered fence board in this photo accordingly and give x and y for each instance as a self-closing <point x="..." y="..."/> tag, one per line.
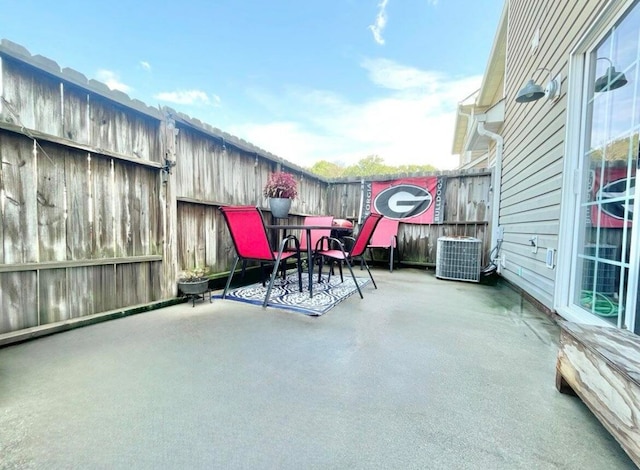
<point x="104" y="292"/>
<point x="52" y="223"/>
<point x="2" y="203"/>
<point x="211" y="235"/>
<point x="104" y="201"/>
<point x="119" y="130"/>
<point x="466" y="199"/>
<point x="78" y="196"/>
<point x="191" y="235"/>
<point x="53" y="302"/>
<point x="18" y="301"/>
<point x="20" y="212"/>
<point x="207" y="172"/>
<point x="122" y="210"/>
<point x="82" y="290"/>
<point x="156" y="281"/>
<point x="129" y="294"/>
<point x="154" y="213"/>
<point x="344" y="199"/>
<point x="33" y="98"/>
<point x="135" y="284"/>
<point x="312" y="197"/>
<point x="136" y="190"/>
<point x="139" y="226"/>
<point x="144" y="192"/>
<point x="76" y="120"/>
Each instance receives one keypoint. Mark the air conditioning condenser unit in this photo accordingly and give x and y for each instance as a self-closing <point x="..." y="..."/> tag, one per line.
<point x="459" y="258"/>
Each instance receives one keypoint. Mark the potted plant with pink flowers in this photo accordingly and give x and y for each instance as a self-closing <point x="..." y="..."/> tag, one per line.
<point x="280" y="190"/>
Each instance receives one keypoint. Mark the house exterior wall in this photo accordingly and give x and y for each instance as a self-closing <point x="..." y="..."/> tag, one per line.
<point x="534" y="138"/>
<point x="474" y="160"/>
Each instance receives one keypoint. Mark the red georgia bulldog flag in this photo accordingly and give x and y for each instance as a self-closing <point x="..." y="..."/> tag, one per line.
<point x="417" y="200"/>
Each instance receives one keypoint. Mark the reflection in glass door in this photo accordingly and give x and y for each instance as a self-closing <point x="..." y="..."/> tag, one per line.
<point x="606" y="233"/>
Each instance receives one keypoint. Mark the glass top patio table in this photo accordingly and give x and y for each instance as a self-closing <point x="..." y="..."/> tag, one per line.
<point x="308" y="229"/>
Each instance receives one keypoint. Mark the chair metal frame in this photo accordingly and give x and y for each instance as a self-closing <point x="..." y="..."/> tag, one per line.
<point x="251" y="243"/>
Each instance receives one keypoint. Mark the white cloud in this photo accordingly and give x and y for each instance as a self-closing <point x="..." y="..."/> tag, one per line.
<point x="389" y="74"/>
<point x="112" y="80"/>
<point x="411" y="120"/>
<point x="287" y="139"/>
<point x="145" y="65"/>
<point x="188" y="97"/>
<point x="381" y="21"/>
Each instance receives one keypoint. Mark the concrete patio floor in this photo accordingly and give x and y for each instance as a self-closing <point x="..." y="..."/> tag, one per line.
<point x="422" y="373"/>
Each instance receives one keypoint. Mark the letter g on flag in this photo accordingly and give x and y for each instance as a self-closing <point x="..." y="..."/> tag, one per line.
<point x="403" y="201"/>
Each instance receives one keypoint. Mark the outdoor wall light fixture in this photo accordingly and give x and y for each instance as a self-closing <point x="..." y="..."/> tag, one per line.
<point x="532" y="91"/>
<point x="611" y="79"/>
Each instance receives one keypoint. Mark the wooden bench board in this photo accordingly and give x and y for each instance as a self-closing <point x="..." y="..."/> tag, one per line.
<point x="620" y="347"/>
<point x="602" y="366"/>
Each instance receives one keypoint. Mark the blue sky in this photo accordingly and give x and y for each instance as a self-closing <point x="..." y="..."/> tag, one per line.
<point x="306" y="80"/>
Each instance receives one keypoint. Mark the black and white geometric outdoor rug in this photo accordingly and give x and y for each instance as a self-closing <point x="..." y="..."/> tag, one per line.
<point x="286" y="294"/>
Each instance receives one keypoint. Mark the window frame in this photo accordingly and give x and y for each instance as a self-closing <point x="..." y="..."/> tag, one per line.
<point x="573" y="175"/>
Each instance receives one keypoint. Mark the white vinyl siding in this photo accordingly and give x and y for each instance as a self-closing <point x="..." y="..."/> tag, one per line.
<point x="534" y="136"/>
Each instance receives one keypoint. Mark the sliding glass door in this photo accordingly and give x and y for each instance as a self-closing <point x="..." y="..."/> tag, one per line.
<point x="605" y="277"/>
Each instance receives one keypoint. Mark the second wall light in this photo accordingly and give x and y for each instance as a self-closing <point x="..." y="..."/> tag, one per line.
<point x="532" y="91"/>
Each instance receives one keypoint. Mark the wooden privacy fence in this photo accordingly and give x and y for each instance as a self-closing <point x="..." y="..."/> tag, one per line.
<point x="203" y="239"/>
<point x="466" y="213"/>
<point x="80" y="233"/>
<point x="103" y="200"/>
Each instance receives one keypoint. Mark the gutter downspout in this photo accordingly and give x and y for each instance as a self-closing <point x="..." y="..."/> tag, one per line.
<point x="496" y="234"/>
<point x="469" y="121"/>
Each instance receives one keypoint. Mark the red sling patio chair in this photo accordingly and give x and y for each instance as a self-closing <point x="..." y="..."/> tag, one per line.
<point x="316" y="235"/>
<point x="324" y="250"/>
<point x="251" y="242"/>
<point x="385" y="236"/>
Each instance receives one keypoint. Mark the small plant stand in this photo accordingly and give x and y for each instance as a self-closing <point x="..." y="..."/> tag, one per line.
<point x="195" y="290"/>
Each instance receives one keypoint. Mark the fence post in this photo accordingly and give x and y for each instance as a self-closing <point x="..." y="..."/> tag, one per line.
<point x="169" y="203"/>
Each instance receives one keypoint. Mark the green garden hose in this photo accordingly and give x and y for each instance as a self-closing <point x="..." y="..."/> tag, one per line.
<point x="599" y="303"/>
